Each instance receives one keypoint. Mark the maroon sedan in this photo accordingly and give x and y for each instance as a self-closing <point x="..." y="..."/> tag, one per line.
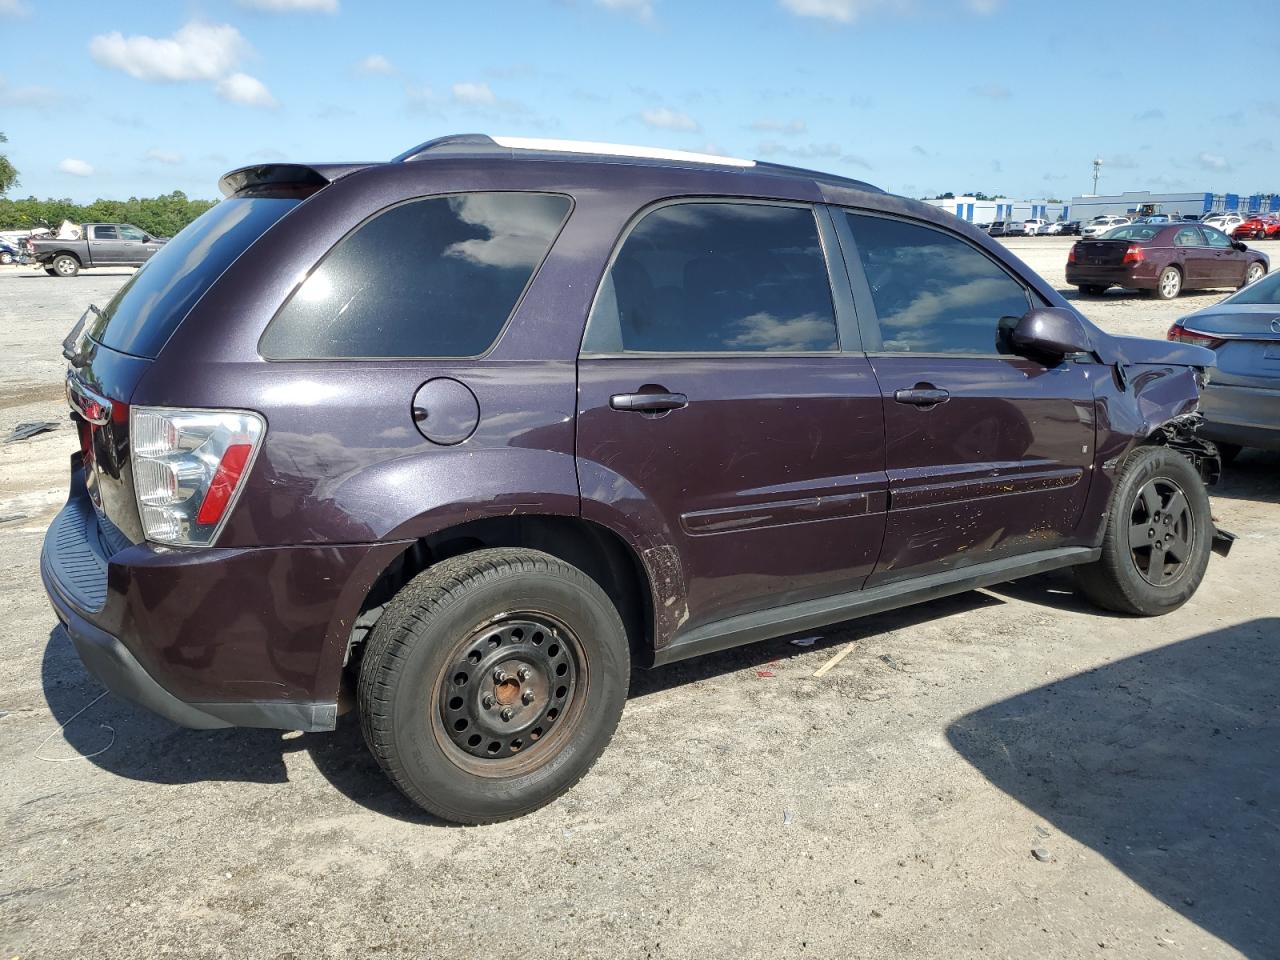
<point x="1163" y="258"/>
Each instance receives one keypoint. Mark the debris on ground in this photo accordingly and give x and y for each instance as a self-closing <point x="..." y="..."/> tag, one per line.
<point x="844" y="652"/>
<point x="764" y="674"/>
<point x="1041" y="854"/>
<point x="805" y="641"/>
<point x="787" y="817"/>
<point x="10" y="517"/>
<point x="25" y="431"/>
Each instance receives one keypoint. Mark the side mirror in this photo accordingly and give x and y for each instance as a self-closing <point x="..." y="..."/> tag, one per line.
<point x="1239" y="245"/>
<point x="1050" y="333"/>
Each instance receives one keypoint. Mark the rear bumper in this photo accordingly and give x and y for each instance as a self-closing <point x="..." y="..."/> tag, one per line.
<point x="1245" y="416"/>
<point x="208" y="638"/>
<point x="1139" y="276"/>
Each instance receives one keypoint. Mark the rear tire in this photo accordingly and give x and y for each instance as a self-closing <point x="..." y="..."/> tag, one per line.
<point x="1159" y="533"/>
<point x="492" y="683"/>
<point x="1169" y="285"/>
<point x="65" y="265"/>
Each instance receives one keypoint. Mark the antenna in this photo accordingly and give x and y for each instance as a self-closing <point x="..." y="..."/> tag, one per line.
<point x="1097" y="170"/>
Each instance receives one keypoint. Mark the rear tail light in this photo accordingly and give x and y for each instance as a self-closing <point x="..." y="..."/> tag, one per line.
<point x="1181" y="334"/>
<point x="188" y="466"/>
<point x="1071" y="254"/>
<point x="1134" y="254"/>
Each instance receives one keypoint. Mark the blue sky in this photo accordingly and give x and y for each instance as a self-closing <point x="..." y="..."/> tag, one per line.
<point x="918" y="96"/>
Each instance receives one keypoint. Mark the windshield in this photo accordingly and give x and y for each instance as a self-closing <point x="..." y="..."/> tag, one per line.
<point x="1266" y="290"/>
<point x="143" y="315"/>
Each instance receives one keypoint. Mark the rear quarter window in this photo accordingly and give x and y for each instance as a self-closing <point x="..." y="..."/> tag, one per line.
<point x="436" y="277"/>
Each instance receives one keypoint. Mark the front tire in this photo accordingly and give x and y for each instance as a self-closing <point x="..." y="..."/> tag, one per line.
<point x="1169" y="285"/>
<point x="65" y="265"/>
<point x="492" y="683"/>
<point x="1255" y="273"/>
<point x="1159" y="533"/>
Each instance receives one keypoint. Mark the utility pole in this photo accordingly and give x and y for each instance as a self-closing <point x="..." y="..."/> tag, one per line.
<point x="1097" y="170"/>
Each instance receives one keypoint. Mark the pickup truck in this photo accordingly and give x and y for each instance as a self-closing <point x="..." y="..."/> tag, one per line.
<point x="101" y="245"/>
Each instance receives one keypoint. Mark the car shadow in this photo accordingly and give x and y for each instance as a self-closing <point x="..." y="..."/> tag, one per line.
<point x="1254" y="475"/>
<point x="140" y="745"/>
<point x="769" y="652"/>
<point x="1167" y="764"/>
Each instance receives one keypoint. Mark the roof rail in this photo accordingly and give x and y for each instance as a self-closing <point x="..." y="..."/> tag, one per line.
<point x="479" y="142"/>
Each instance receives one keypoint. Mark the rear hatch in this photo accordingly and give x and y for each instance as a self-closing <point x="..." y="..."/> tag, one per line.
<point x="110" y="350"/>
<point x="1249" y="347"/>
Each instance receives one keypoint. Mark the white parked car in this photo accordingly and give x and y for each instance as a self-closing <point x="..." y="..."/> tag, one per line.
<point x="1100" y="225"/>
<point x="1226" y="222"/>
<point x="1033" y="226"/>
<point x="1051" y="229"/>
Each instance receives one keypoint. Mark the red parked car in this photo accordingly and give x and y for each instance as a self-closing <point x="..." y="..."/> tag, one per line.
<point x="1163" y="258"/>
<point x="1258" y="227"/>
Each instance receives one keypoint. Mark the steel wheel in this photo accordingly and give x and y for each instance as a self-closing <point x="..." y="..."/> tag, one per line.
<point x="1161" y="532"/>
<point x="1254" y="273"/>
<point x="65" y="266"/>
<point x="510" y="695"/>
<point x="1170" y="283"/>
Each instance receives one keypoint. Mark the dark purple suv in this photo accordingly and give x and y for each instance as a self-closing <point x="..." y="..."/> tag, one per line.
<point x="468" y="433"/>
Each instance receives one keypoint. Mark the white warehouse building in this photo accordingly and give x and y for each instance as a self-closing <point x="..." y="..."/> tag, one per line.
<point x="989" y="211"/>
<point x="1134" y="202"/>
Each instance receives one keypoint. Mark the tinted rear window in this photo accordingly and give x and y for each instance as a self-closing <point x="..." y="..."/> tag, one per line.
<point x="141" y="317"/>
<point x="431" y="278"/>
<point x="1136" y="232"/>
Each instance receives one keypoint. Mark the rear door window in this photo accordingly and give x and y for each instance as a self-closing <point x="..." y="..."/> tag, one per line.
<point x="105" y="233"/>
<point x="717" y="277"/>
<point x="933" y="292"/>
<point x="436" y="277"/>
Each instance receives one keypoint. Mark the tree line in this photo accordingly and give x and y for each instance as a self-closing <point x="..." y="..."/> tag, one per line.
<point x="161" y="216"/>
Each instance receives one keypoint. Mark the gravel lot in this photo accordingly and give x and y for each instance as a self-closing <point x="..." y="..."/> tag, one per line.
<point x="744" y="809"/>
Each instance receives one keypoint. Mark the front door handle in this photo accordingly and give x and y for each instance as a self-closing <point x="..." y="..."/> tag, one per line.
<point x="922" y="396"/>
<point x="648" y="402"/>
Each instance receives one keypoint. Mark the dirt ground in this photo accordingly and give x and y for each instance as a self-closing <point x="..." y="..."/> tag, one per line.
<point x="744" y="809"/>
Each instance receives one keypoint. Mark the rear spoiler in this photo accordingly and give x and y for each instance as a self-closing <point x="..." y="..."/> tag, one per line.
<point x="278" y="178"/>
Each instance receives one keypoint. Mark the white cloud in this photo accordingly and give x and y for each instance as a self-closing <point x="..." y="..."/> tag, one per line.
<point x="32" y="96"/>
<point x="841" y="11"/>
<point x="813" y="151"/>
<point x="640" y="9"/>
<point x="848" y="11"/>
<point x="779" y="126"/>
<point x="291" y="6"/>
<point x="992" y="91"/>
<point x="168" y="157"/>
<point x="474" y="93"/>
<point x="77" y="168"/>
<point x="376" y="63"/>
<point x="242" y="88"/>
<point x="199" y="51"/>
<point x="14" y="8"/>
<point x="662" y="118"/>
<point x="1213" y="161"/>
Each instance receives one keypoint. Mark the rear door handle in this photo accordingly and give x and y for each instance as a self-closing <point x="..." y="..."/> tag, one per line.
<point x="922" y="396"/>
<point x="648" y="402"/>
